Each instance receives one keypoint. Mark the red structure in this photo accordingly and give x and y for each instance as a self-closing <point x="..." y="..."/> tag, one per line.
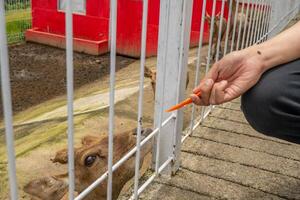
<point x="91" y="25"/>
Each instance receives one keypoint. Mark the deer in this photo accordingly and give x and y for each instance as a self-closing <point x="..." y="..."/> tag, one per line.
<point x="240" y="19"/>
<point x="216" y="31"/>
<point x="90" y="163"/>
<point x="151" y="73"/>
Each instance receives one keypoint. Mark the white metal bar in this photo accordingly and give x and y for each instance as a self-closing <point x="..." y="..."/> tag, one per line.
<point x="234" y="25"/>
<point x="280" y="21"/>
<point x="254" y="22"/>
<point x="228" y="27"/>
<point x="7" y="106"/>
<point x="70" y="77"/>
<point x="160" y="116"/>
<point x="219" y="44"/>
<point x="121" y="161"/>
<point x="195" y="126"/>
<point x="182" y="72"/>
<point x="246" y="26"/>
<point x="161" y="168"/>
<point x="140" y="105"/>
<point x="251" y="22"/>
<point x="199" y="60"/>
<point x="240" y="27"/>
<point x="211" y="32"/>
<point x="172" y="58"/>
<point x="262" y="28"/>
<point x="113" y="10"/>
<point x="267" y="20"/>
<point x="259" y="21"/>
<point x="151" y="178"/>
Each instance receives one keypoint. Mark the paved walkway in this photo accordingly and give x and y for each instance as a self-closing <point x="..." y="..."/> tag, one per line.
<point x="226" y="159"/>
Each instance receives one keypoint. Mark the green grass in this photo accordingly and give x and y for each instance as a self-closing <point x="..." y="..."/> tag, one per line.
<point x="17" y="21"/>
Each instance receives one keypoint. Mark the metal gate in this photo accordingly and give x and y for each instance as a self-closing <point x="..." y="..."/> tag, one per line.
<point x="265" y="18"/>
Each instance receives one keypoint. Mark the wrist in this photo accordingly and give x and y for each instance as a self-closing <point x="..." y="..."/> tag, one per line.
<point x="256" y="54"/>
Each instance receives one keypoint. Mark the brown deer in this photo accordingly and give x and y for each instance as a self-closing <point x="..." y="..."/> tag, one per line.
<point x="151" y="73"/>
<point x="240" y="19"/>
<point x="216" y="31"/>
<point x="90" y="164"/>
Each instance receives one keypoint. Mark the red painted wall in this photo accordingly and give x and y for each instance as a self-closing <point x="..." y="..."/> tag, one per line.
<point x="94" y="25"/>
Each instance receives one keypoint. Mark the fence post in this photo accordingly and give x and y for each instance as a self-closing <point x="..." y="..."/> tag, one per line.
<point x="173" y="46"/>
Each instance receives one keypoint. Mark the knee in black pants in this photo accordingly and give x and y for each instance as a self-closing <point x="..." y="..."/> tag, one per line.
<point x="272" y="106"/>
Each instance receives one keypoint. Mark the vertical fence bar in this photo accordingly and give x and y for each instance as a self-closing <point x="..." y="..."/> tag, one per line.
<point x="234" y="24"/>
<point x="141" y="95"/>
<point x="267" y="20"/>
<point x="171" y="59"/>
<point x="257" y="32"/>
<point x="7" y="106"/>
<point x="113" y="10"/>
<point x="228" y="27"/>
<point x="199" y="60"/>
<point x="246" y="26"/>
<point x="69" y="61"/>
<point x="263" y="20"/>
<point x="254" y="22"/>
<point x="257" y="21"/>
<point x="219" y="44"/>
<point x="251" y="22"/>
<point x="182" y="75"/>
<point x="162" y="82"/>
<point x="240" y="26"/>
<point x="211" y="33"/>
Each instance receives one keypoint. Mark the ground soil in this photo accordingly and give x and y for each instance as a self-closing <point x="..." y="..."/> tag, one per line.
<point x="38" y="73"/>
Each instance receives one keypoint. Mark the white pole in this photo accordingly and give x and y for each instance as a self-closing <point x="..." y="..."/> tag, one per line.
<point x="228" y="27"/>
<point x="219" y="44"/>
<point x="113" y="10"/>
<point x="240" y="28"/>
<point x="251" y="23"/>
<point x="199" y="60"/>
<point x="69" y="61"/>
<point x="234" y="25"/>
<point x="140" y="105"/>
<point x="246" y="26"/>
<point x="7" y="106"/>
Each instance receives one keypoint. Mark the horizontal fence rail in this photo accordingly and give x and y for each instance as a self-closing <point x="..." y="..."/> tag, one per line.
<point x="238" y="25"/>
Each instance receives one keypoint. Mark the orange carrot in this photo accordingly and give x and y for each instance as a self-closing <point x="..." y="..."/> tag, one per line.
<point x="182" y="104"/>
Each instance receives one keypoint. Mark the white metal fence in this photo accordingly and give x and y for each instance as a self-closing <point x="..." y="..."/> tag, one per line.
<point x="249" y="22"/>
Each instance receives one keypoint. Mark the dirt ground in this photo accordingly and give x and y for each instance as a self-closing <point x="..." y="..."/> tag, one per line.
<point x="38" y="73"/>
<point x="38" y="82"/>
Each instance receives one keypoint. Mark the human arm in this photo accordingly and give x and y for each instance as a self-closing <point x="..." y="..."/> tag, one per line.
<point x="238" y="71"/>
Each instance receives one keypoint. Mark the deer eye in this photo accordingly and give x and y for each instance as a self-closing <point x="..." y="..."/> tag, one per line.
<point x="89" y="160"/>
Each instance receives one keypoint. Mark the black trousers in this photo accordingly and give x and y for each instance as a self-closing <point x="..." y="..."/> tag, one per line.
<point x="272" y="106"/>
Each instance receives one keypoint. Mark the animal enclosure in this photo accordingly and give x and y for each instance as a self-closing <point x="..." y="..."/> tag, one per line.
<point x="99" y="167"/>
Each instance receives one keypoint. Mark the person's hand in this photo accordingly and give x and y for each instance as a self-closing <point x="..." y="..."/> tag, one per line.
<point x="230" y="77"/>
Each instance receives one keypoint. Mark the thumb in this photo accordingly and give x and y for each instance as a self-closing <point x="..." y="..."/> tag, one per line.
<point x="213" y="72"/>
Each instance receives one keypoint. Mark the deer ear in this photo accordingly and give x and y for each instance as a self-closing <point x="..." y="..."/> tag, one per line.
<point x="207" y="15"/>
<point x="89" y="139"/>
<point x="148" y="72"/>
<point x="61" y="157"/>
